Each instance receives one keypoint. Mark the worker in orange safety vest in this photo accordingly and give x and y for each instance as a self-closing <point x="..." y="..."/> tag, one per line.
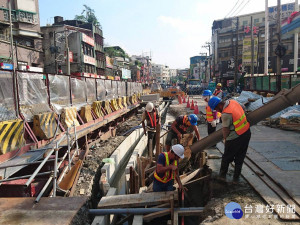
<point x="218" y="91"/>
<point x="167" y="169"/>
<point x="152" y="118"/>
<point x="236" y="134"/>
<point x="212" y="116"/>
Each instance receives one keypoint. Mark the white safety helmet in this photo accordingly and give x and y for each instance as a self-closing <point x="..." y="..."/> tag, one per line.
<point x="149" y="107"/>
<point x="178" y="150"/>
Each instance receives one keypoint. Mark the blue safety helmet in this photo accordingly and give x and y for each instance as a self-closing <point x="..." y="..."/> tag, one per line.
<point x="213" y="102"/>
<point x="207" y="93"/>
<point x="193" y="119"/>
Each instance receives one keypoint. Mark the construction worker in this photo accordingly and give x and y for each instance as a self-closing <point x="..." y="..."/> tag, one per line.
<point x="153" y="119"/>
<point x="236" y="134"/>
<point x="212" y="116"/>
<point x="218" y="91"/>
<point x="180" y="126"/>
<point x="167" y="169"/>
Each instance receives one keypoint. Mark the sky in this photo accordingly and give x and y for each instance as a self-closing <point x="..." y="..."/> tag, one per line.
<point x="172" y="30"/>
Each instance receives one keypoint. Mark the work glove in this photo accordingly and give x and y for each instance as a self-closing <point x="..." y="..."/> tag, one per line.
<point x="213" y="123"/>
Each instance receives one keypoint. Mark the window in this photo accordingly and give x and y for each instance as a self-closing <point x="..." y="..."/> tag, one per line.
<point x="225" y="54"/>
<point x="245" y="23"/>
<point x="256" y="21"/>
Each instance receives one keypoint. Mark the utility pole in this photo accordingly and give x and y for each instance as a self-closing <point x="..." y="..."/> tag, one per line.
<point x="252" y="49"/>
<point x="13" y="61"/>
<point x="67" y="54"/>
<point x="236" y="53"/>
<point x="278" y="62"/>
<point x="266" y="62"/>
<point x="55" y="53"/>
<point x="296" y="42"/>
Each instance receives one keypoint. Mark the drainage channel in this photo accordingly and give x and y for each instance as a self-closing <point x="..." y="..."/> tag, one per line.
<point x="113" y="174"/>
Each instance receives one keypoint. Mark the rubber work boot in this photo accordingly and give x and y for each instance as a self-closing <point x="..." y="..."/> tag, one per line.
<point x="237" y="173"/>
<point x="223" y="171"/>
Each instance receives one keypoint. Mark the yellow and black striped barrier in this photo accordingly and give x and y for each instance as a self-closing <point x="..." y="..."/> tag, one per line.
<point x="44" y="125"/>
<point x="86" y="113"/>
<point x="68" y="117"/>
<point x="11" y="135"/>
<point x="120" y="103"/>
<point x="97" y="108"/>
<point x="106" y="106"/>
<point x="125" y="101"/>
<point x="114" y="105"/>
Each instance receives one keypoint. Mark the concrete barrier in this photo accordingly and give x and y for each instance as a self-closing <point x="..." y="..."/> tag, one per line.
<point x="126" y="147"/>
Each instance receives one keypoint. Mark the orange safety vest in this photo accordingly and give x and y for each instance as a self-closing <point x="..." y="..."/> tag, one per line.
<point x="167" y="177"/>
<point x="241" y="125"/>
<point x="216" y="92"/>
<point x="209" y="114"/>
<point x="151" y="124"/>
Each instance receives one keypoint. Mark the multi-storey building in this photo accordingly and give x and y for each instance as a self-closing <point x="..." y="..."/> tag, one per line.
<point x="161" y="73"/>
<point x="26" y="35"/>
<point x="85" y="43"/>
<point x="146" y="72"/>
<point x="227" y="43"/>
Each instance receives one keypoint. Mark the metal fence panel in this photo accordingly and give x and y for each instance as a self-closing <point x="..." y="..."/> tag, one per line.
<point x="7" y="106"/>
<point x="273" y="83"/>
<point x="79" y="93"/>
<point x="91" y="90"/>
<point x="114" y="86"/>
<point x="265" y="81"/>
<point x="295" y="80"/>
<point x="101" y="92"/>
<point x="33" y="95"/>
<point x="59" y="87"/>
<point x="285" y="81"/>
<point x="108" y="89"/>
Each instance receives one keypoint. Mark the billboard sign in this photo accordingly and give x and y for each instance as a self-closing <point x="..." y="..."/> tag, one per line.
<point x="247" y="51"/>
<point x="89" y="60"/>
<point x="87" y="39"/>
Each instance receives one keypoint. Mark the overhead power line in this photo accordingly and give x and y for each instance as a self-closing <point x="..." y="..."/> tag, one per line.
<point x="237" y="8"/>
<point x="242" y="7"/>
<point x="232" y="8"/>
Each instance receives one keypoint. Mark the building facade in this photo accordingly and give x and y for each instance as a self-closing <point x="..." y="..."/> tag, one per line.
<point x="27" y="35"/>
<point x="85" y="43"/>
<point x="230" y="35"/>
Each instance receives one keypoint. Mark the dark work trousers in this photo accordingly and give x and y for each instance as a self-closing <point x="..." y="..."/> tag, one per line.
<point x="210" y="128"/>
<point x="151" y="139"/>
<point x="235" y="150"/>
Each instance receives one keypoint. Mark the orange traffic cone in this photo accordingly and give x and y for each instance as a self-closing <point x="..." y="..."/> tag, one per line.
<point x="183" y="99"/>
<point x="192" y="105"/>
<point x="179" y="99"/>
<point x="188" y="104"/>
<point x="196" y="110"/>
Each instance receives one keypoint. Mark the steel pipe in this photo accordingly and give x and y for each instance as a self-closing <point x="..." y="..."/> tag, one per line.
<point x="39" y="168"/>
<point x="44" y="189"/>
<point x="137" y="211"/>
<point x="55" y="173"/>
<point x="24" y="177"/>
<point x="26" y="164"/>
<point x="282" y="100"/>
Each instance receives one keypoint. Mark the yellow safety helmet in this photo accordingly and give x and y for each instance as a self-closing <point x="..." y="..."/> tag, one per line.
<point x="219" y="84"/>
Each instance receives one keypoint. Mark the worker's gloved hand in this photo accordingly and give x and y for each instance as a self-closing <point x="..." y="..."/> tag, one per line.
<point x="173" y="167"/>
<point x="214" y="123"/>
<point x="179" y="136"/>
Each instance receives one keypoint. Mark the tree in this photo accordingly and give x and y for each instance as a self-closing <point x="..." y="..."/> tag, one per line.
<point x="88" y="16"/>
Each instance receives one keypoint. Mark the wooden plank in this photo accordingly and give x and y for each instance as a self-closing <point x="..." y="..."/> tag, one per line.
<point x="152" y="216"/>
<point x="199" y="179"/>
<point x="266" y="193"/>
<point x="136" y="200"/>
<point x="150" y="170"/>
<point x="172" y="208"/>
<point x="188" y="178"/>
<point x="176" y="218"/>
<point x="270" y="183"/>
<point x="192" y="212"/>
<point x="137" y="220"/>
